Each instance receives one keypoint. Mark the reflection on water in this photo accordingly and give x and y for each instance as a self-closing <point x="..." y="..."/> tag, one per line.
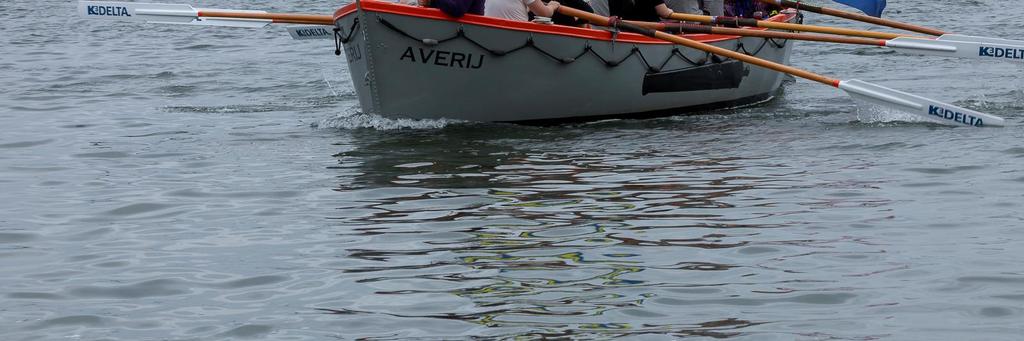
<point x="592" y="231"/>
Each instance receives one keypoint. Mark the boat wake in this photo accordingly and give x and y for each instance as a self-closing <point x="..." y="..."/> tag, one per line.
<point x="360" y="120"/>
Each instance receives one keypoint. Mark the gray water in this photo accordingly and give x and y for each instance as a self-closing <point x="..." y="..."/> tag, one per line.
<point x="184" y="183"/>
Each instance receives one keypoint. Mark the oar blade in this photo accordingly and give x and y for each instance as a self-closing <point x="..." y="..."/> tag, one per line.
<point x="136" y="11"/>
<point x="989" y="48"/>
<point x="930" y="109"/>
<point x="162" y="14"/>
<point x="985" y="48"/>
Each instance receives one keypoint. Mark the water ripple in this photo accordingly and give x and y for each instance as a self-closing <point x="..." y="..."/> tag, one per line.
<point x="207" y="184"/>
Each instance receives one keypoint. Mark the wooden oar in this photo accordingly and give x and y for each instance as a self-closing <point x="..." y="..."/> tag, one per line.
<point x="931" y="109"/>
<point x="186" y="14"/>
<point x="705" y="29"/>
<point x="855" y="16"/>
<point x="945" y="46"/>
<point x="948" y="45"/>
<point x="750" y="22"/>
<point x="277" y="18"/>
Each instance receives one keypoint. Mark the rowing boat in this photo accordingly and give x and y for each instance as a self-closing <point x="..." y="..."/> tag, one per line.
<point x="414" y="62"/>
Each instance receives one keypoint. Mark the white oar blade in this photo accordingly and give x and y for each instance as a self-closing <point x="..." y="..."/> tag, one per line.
<point x="933" y="110"/>
<point x="163" y="14"/>
<point x="987" y="48"/>
<point x="311" y="32"/>
<point x="134" y="11"/>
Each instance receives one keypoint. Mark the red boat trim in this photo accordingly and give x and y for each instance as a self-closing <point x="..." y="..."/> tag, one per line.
<point x="586" y="33"/>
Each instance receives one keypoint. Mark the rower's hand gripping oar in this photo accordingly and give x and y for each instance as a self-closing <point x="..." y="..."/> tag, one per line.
<point x="188" y="15"/>
<point x="930" y="109"/>
<point x="949" y="45"/>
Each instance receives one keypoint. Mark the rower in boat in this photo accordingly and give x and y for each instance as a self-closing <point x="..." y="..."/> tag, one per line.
<point x="748" y="9"/>
<point x="640" y="10"/>
<point x="707" y="7"/>
<point x="455" y="8"/>
<point x="567" y="20"/>
<point x="519" y="10"/>
<point x="659" y="10"/>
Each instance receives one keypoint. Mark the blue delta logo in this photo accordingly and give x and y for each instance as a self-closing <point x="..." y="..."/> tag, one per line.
<point x="109" y="11"/>
<point x="955" y="116"/>
<point x="999" y="52"/>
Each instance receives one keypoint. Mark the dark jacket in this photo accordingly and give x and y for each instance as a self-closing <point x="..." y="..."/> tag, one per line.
<point x="458" y="8"/>
<point x="568" y="20"/>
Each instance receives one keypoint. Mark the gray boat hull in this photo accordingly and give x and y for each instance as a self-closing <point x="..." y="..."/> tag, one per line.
<point x="415" y="65"/>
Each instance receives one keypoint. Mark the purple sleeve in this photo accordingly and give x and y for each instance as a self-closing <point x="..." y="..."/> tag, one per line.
<point x="455" y="8"/>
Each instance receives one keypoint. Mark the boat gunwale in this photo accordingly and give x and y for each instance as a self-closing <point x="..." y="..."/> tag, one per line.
<point x="526" y="26"/>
